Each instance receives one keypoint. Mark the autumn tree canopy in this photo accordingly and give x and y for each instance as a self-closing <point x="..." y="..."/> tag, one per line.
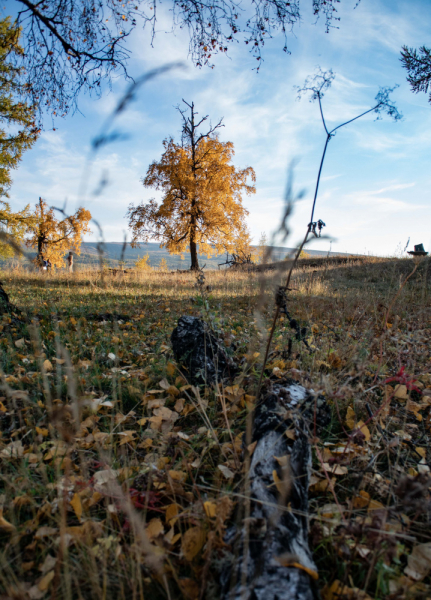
<point x="202" y="191"/>
<point x="53" y="237"/>
<point x="18" y="130"/>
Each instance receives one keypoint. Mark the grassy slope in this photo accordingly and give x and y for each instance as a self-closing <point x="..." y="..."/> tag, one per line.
<point x="110" y="485"/>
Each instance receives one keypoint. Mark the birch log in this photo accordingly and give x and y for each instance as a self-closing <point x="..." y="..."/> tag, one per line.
<point x="271" y="559"/>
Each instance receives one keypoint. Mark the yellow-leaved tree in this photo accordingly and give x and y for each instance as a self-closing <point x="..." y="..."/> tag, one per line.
<point x="53" y="238"/>
<point x="201" y="206"/>
<point x="13" y="225"/>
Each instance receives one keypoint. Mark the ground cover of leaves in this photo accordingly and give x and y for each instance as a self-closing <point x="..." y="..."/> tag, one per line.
<point x="118" y="479"/>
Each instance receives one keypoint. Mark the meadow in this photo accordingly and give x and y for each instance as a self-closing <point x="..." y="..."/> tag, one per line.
<point x="119" y="479"/>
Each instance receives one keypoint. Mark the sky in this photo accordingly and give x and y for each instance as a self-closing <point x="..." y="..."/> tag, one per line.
<point x="375" y="189"/>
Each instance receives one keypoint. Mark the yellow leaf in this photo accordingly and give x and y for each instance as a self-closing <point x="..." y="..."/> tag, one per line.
<point x="361" y="500"/>
<point x="178" y="475"/>
<point x="116" y="340"/>
<point x="170" y="369"/>
<point x="43" y="584"/>
<point x="3" y="408"/>
<point x="337" y="591"/>
<point x="172" y="511"/>
<point x="421" y="451"/>
<point x="5" y="525"/>
<point x="75" y="503"/>
<point x="154" y="528"/>
<point x="364" y="430"/>
<point x="210" y="509"/>
<point x="192" y="542"/>
<point x="47" y="365"/>
<point x="173" y="391"/>
<point x="375" y="505"/>
<point x="20" y="343"/>
<point x="42" y="431"/>
<point x="147" y="443"/>
<point x="321" y="485"/>
<point x="401" y="392"/>
<point x="251" y="447"/>
<point x="350" y="418"/>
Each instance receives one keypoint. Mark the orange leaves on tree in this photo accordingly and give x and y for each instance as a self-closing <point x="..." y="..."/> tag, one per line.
<point x="201" y="198"/>
<point x="53" y="237"/>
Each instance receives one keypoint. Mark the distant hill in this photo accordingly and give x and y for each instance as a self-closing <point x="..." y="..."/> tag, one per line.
<point x="112" y="253"/>
<point x="113" y="250"/>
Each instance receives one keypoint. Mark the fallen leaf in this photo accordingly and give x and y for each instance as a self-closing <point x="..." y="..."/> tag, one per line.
<point x="45" y="532"/>
<point x="419" y="562"/>
<point x="375" y="505"/>
<point x="43" y="584"/>
<point x="189" y="588"/>
<point x="177" y="475"/>
<point x="335" y="469"/>
<point x="179" y="405"/>
<point x="42" y="431"/>
<point x="5" y="525"/>
<point x="226" y="472"/>
<point x="251" y="447"/>
<point x="75" y="503"/>
<point x="13" y="450"/>
<point x="47" y="365"/>
<point x="210" y="509"/>
<point x="364" y="430"/>
<point x="192" y="542"/>
<point x="20" y="343"/>
<point x="172" y="511"/>
<point x="48" y="564"/>
<point x="170" y="369"/>
<point x="361" y="500"/>
<point x="401" y="392"/>
<point x="350" y="418"/>
<point x="154" y="528"/>
<point x="337" y="591"/>
<point x="173" y="391"/>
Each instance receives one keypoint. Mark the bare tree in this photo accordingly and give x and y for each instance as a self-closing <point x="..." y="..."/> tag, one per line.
<point x="74" y="45"/>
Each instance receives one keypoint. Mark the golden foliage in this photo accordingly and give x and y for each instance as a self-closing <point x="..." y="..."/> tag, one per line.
<point x="143" y="264"/>
<point x="52" y="237"/>
<point x="201" y="201"/>
<point x="15" y="224"/>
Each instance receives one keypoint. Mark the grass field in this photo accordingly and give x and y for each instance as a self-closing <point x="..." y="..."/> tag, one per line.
<point x="110" y="478"/>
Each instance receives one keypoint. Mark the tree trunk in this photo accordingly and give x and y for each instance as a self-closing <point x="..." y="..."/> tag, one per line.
<point x="193" y="251"/>
<point x="40" y="238"/>
<point x="269" y="557"/>
<point x="39" y="251"/>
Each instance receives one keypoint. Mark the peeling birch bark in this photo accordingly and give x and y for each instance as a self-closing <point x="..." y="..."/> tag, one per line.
<point x="271" y="559"/>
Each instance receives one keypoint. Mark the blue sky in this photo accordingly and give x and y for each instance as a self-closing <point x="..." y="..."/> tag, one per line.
<point x="376" y="180"/>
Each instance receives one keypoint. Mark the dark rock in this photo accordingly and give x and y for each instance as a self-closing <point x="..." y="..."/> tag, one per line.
<point x="203" y="357"/>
